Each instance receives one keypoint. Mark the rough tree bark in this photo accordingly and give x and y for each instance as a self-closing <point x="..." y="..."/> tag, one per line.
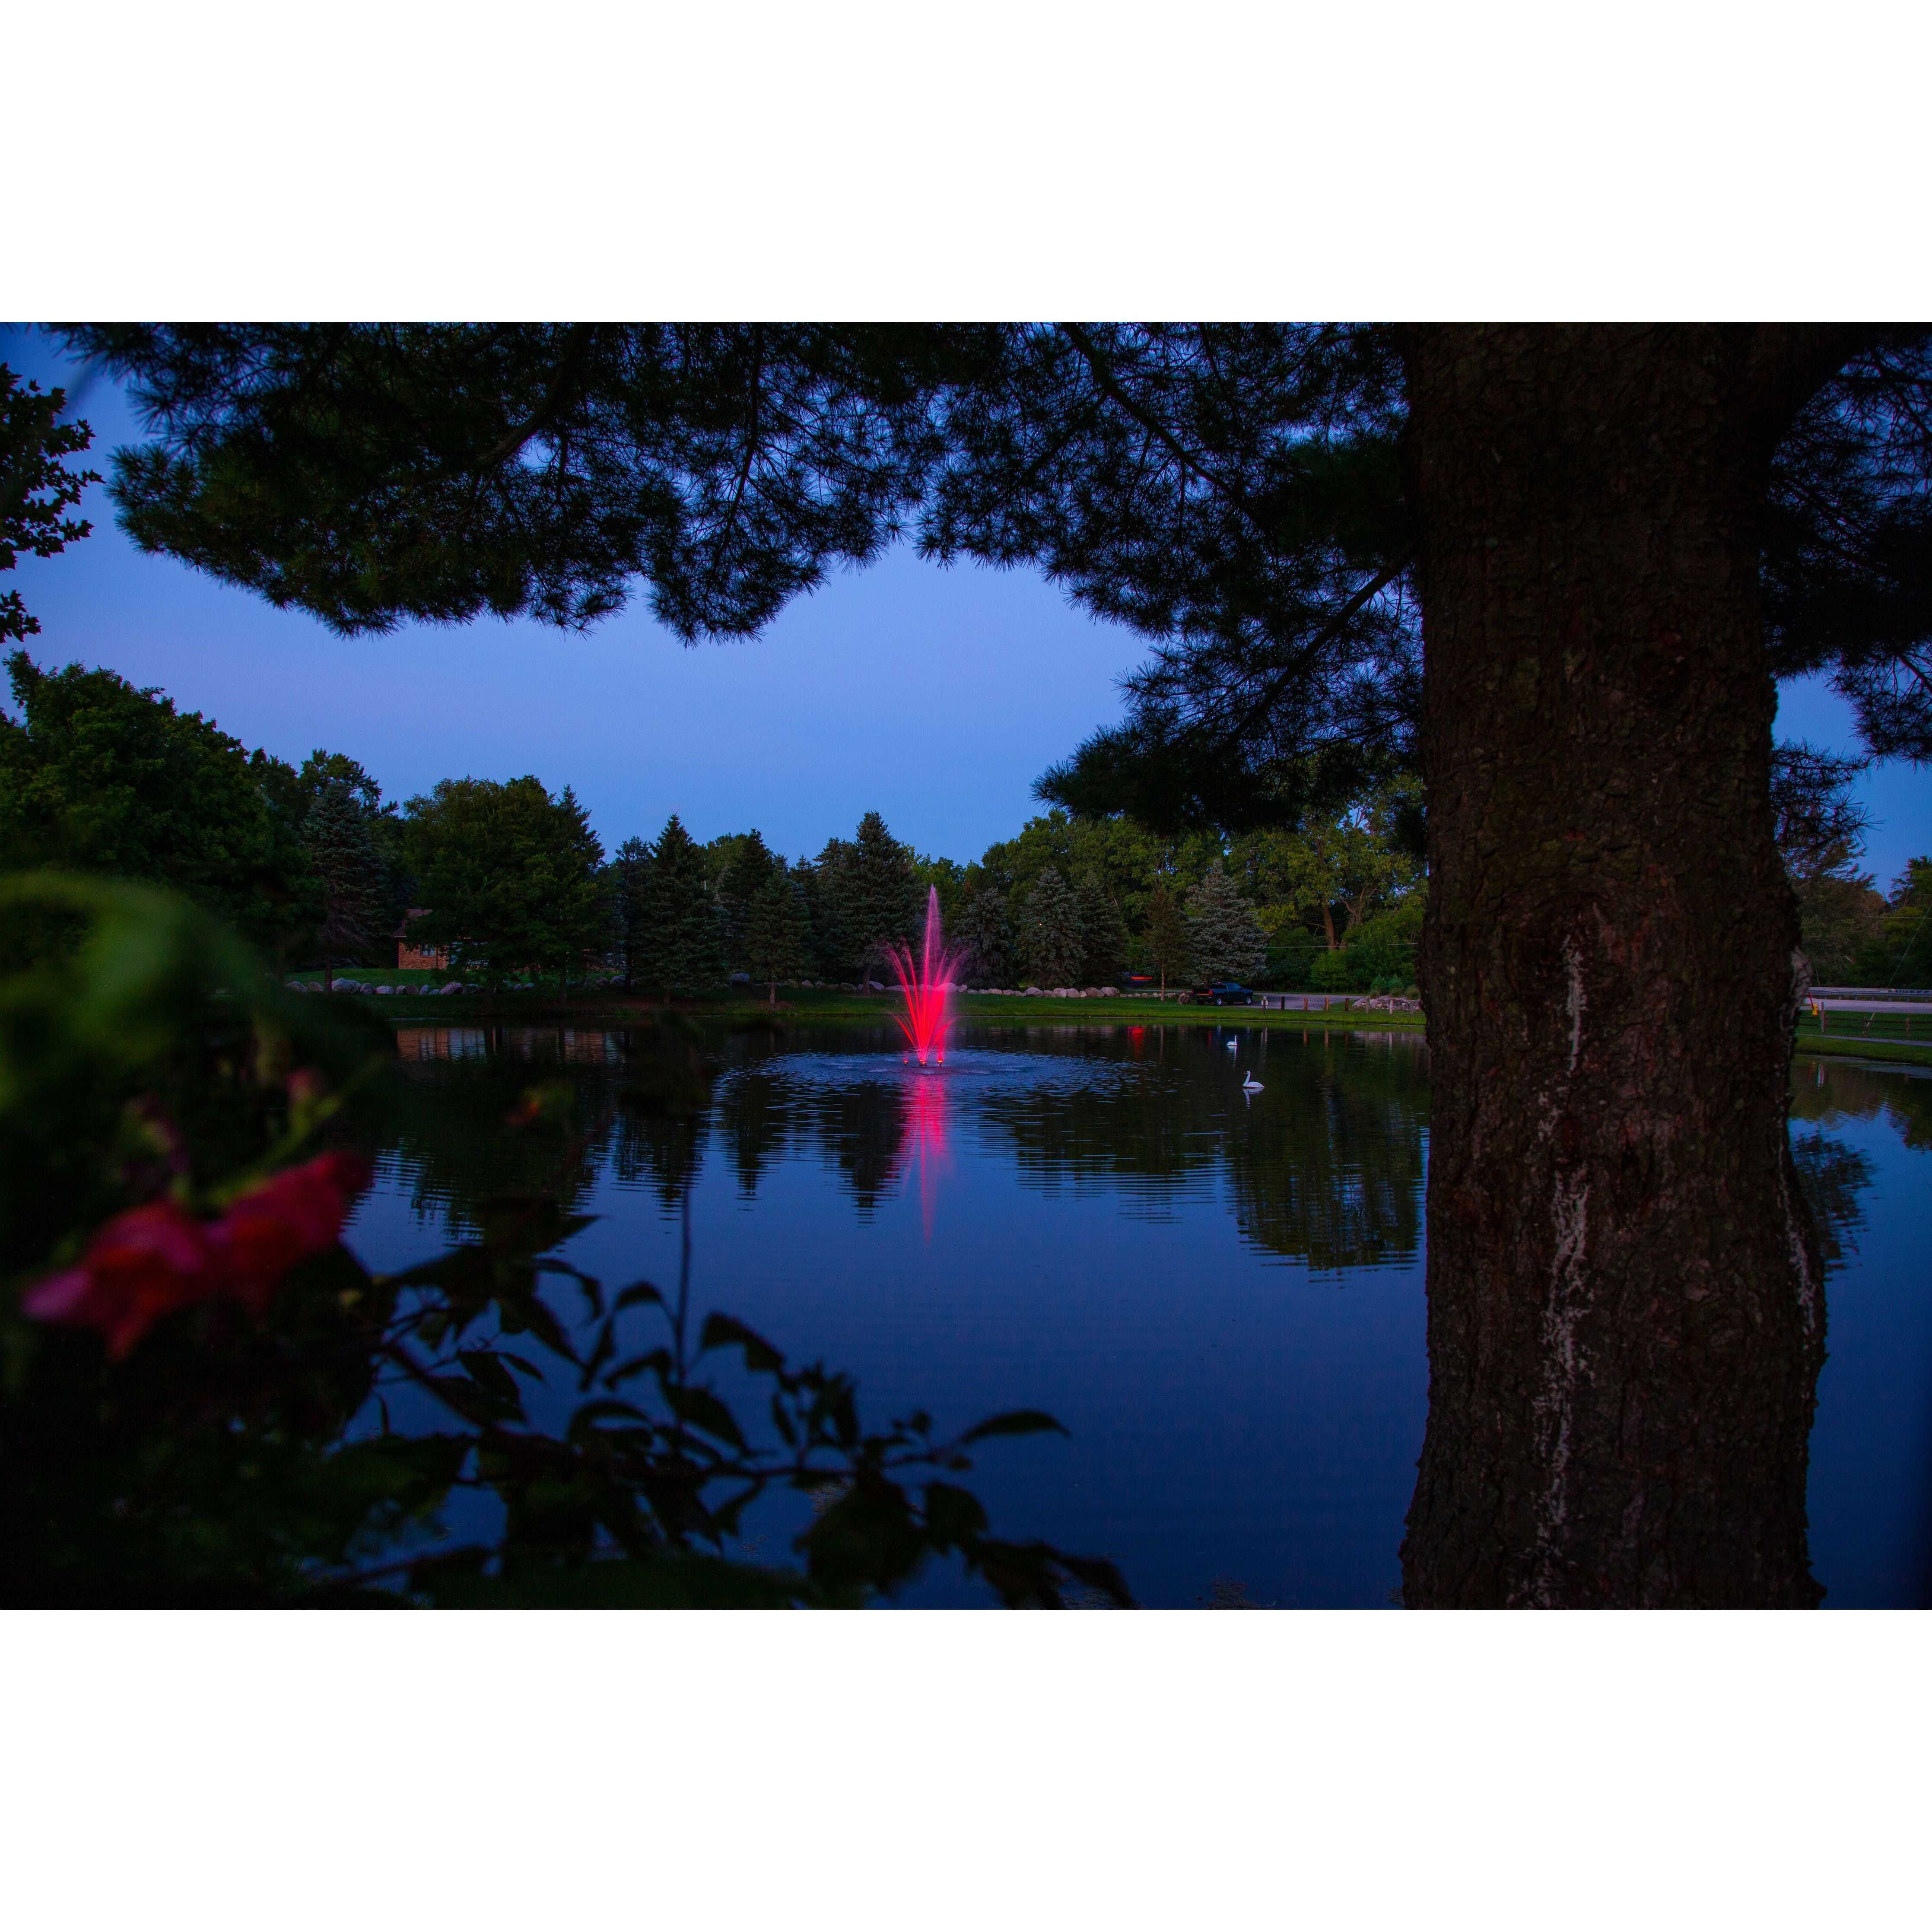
<point x="1626" y="1319"/>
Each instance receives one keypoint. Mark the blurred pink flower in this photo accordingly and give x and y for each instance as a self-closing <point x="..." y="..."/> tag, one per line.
<point x="142" y="1265"/>
<point x="151" y="1261"/>
<point x="299" y="1213"/>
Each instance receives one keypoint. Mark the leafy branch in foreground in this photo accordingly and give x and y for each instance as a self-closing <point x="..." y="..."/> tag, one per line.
<point x="199" y="1385"/>
<point x="638" y="1489"/>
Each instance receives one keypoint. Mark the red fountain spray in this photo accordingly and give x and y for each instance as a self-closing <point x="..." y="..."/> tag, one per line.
<point x="925" y="982"/>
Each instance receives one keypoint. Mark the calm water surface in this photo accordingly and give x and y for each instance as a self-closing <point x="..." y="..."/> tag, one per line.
<point x="1220" y="1294"/>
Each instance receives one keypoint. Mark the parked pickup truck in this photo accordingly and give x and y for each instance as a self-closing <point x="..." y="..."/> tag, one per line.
<point x="1223" y="993"/>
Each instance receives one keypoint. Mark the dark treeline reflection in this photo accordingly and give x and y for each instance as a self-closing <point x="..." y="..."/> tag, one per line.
<point x="1107" y="1226"/>
<point x="1827" y="1093"/>
<point x="1823" y="1091"/>
<point x="1324" y="1165"/>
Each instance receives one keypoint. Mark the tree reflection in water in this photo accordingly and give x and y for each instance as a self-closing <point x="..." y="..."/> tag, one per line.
<point x="1323" y="1169"/>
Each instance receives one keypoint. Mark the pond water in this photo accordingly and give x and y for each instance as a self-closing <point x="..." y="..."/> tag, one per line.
<point x="1218" y="1293"/>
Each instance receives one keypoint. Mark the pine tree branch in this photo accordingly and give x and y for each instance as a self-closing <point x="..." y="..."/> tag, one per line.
<point x="1304" y="659"/>
<point x="577" y="340"/>
<point x="1110" y="387"/>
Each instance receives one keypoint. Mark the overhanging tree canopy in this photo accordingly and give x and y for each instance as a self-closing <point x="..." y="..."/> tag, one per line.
<point x="1235" y="493"/>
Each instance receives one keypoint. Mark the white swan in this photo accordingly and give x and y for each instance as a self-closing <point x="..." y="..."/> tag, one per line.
<point x="1251" y="1085"/>
<point x="1232" y="1044"/>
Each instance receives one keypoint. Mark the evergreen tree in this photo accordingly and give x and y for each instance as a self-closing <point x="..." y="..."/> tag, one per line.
<point x="1224" y="939"/>
<point x="983" y="933"/>
<point x="350" y="844"/>
<point x="335" y="834"/>
<point x="1050" y="937"/>
<point x="683" y="945"/>
<point x="878" y="895"/>
<point x="1103" y="935"/>
<point x="751" y="868"/>
<point x="1167" y="944"/>
<point x="571" y="863"/>
<point x="778" y="933"/>
<point x="821" y="882"/>
<point x="630" y="872"/>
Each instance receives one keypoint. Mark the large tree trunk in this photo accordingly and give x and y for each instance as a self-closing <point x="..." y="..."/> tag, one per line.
<point x="1626" y="1319"/>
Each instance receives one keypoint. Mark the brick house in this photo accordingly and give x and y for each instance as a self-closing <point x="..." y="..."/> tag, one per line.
<point x="416" y="958"/>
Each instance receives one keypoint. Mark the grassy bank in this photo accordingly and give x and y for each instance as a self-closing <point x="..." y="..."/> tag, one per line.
<point x="799" y="1006"/>
<point x="1850" y="1044"/>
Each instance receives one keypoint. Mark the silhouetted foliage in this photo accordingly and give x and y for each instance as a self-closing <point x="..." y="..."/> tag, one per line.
<point x="201" y="1399"/>
<point x="99" y="777"/>
<point x="36" y="488"/>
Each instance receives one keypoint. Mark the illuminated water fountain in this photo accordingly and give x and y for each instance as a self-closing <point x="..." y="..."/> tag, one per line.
<point x="925" y="980"/>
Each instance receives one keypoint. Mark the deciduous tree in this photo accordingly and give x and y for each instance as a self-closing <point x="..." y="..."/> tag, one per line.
<point x="36" y="488"/>
<point x="1167" y="945"/>
<point x="511" y="876"/>
<point x="98" y="776"/>
<point x="1905" y="946"/>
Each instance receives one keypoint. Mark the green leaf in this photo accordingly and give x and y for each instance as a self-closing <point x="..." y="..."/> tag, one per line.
<point x="703" y="1410"/>
<point x="484" y="1368"/>
<point x="530" y="1311"/>
<point x="953" y="1516"/>
<point x="725" y="1331"/>
<point x="473" y="1402"/>
<point x="1014" y="1422"/>
<point x="657" y="1359"/>
<point x="590" y="1413"/>
<point x="1099" y="1574"/>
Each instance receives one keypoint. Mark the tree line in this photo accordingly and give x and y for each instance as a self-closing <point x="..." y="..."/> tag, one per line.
<point x="315" y="867"/>
<point x="312" y="864"/>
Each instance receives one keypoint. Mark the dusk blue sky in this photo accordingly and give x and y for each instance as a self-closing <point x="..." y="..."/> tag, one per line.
<point x="935" y="696"/>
